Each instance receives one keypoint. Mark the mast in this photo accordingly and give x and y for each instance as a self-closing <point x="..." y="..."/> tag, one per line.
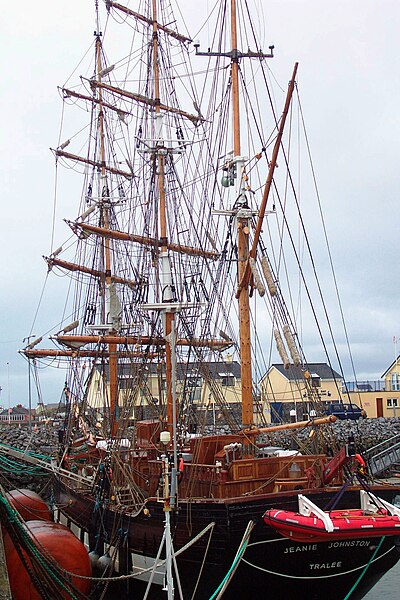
<point x="243" y="238"/>
<point x="242" y="213"/>
<point x="112" y="347"/>
<point x="166" y="278"/>
<point x="235" y="82"/>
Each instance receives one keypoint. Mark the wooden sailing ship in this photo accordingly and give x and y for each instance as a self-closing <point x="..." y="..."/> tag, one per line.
<point x="169" y="254"/>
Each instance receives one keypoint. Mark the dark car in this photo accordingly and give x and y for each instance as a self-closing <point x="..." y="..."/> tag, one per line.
<point x="343" y="410"/>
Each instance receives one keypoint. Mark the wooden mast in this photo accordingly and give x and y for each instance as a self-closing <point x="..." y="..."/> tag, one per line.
<point x="243" y="215"/>
<point x="166" y="282"/>
<point x="243" y="242"/>
<point x="112" y="347"/>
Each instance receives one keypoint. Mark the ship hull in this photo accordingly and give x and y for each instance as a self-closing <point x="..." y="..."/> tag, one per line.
<point x="270" y="564"/>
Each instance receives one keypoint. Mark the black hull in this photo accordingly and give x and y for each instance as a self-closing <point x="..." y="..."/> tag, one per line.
<point x="272" y="566"/>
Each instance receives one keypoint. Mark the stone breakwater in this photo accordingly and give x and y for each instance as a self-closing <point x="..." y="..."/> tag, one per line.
<point x="43" y="441"/>
<point x="366" y="432"/>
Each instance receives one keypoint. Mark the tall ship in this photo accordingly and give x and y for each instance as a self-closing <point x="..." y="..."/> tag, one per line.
<point x="185" y="268"/>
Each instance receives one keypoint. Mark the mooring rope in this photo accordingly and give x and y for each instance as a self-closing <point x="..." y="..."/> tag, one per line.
<point x="364" y="570"/>
<point x="242" y="547"/>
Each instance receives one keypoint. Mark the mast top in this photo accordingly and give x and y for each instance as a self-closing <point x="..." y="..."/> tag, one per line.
<point x="152" y="22"/>
<point x="235" y="54"/>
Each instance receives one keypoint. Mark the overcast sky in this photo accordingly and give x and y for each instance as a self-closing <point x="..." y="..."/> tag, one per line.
<point x="348" y="78"/>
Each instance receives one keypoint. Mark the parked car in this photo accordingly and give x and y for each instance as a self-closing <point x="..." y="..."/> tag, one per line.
<point x="343" y="410"/>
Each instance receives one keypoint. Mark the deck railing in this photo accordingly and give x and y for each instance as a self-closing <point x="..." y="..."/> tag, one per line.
<point x="365" y="386"/>
<point x="384" y="455"/>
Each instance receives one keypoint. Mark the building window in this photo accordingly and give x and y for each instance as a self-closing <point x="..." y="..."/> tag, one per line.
<point x="392" y="402"/>
<point x="315" y="380"/>
<point x="395" y="382"/>
<point x="227" y="379"/>
<point x="194" y="382"/>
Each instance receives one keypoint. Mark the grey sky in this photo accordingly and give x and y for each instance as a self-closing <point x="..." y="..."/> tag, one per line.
<point x="350" y="88"/>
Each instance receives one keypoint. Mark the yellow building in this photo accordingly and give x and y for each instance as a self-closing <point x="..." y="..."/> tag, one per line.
<point x="216" y="385"/>
<point x="284" y="390"/>
<point x="209" y="386"/>
<point x="379" y="398"/>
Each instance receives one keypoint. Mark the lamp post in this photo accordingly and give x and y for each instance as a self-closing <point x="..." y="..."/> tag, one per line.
<point x="26" y="339"/>
<point x="8" y="393"/>
<point x="395" y="381"/>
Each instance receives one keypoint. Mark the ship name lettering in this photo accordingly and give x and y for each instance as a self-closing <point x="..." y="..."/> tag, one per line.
<point x="332" y="565"/>
<point x="349" y="544"/>
<point x="304" y="548"/>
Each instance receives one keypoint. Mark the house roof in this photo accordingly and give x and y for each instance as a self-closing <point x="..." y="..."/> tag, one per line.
<point x="395" y="362"/>
<point x="217" y="369"/>
<point x="15" y="410"/>
<point x="60" y="405"/>
<point x="323" y="370"/>
<point x="43" y="408"/>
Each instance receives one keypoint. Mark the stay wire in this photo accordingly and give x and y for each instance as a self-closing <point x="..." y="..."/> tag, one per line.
<point x="326" y="239"/>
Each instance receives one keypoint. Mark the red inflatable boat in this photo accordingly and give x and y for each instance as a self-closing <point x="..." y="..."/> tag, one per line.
<point x="375" y="518"/>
